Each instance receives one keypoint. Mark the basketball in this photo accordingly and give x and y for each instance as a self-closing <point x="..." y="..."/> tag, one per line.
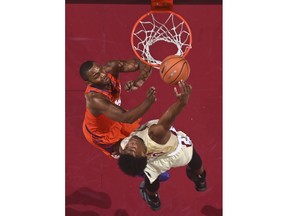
<point x="173" y="69"/>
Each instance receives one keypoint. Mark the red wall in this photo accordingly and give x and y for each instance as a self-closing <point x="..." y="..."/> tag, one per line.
<point x="94" y="185"/>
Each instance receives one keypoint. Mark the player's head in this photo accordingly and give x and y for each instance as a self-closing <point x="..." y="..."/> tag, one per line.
<point x="92" y="73"/>
<point x="133" y="159"/>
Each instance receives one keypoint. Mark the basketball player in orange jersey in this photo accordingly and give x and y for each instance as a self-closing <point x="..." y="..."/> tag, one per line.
<point x="106" y="122"/>
<point x="156" y="146"/>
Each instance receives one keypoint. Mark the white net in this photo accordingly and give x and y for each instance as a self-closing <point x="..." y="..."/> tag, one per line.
<point x="167" y="27"/>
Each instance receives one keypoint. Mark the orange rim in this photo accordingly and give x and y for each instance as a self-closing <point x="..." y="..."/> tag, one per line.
<point x="155" y="12"/>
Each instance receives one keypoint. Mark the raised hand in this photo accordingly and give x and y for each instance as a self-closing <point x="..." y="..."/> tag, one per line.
<point x="150" y="94"/>
<point x="131" y="86"/>
<point x="145" y="72"/>
<point x="185" y="91"/>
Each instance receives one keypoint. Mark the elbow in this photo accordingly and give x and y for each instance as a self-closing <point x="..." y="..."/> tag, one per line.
<point x="128" y="119"/>
<point x="125" y="117"/>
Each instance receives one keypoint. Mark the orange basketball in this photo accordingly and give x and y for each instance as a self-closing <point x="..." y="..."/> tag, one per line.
<point x="174" y="68"/>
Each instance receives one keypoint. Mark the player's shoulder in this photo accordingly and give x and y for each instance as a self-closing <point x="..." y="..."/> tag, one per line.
<point x="113" y="67"/>
<point x="96" y="97"/>
<point x="112" y="63"/>
<point x="93" y="94"/>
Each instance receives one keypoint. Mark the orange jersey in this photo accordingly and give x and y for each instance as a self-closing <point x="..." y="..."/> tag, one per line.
<point x="100" y="131"/>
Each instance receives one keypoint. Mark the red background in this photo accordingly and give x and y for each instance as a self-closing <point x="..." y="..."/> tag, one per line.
<point x="94" y="184"/>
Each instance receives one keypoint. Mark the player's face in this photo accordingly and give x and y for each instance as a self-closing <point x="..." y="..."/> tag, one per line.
<point x="135" y="147"/>
<point x="97" y="76"/>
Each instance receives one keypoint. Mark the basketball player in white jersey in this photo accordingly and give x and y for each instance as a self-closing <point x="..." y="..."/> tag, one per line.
<point x="156" y="146"/>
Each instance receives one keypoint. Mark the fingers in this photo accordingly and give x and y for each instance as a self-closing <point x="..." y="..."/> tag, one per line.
<point x="176" y="92"/>
<point x="185" y="91"/>
<point x="184" y="87"/>
<point x="127" y="87"/>
<point x="130" y="86"/>
<point x="151" y="93"/>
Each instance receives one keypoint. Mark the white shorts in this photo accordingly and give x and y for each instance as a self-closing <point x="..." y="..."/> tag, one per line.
<point x="180" y="157"/>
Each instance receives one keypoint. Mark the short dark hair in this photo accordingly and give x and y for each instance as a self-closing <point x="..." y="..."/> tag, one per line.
<point x="131" y="165"/>
<point x="84" y="68"/>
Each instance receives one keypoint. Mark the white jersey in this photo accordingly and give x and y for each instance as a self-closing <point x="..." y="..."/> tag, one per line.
<point x="176" y="152"/>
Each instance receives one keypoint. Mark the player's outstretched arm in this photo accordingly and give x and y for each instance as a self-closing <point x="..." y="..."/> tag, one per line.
<point x="116" y="66"/>
<point x="160" y="132"/>
<point x="144" y="72"/>
<point x="97" y="104"/>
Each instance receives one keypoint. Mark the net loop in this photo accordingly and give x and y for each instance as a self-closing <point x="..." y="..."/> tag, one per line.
<point x="152" y="28"/>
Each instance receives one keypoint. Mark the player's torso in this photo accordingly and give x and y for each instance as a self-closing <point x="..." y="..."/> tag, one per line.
<point x="101" y="123"/>
<point x="112" y="94"/>
<point x="154" y="149"/>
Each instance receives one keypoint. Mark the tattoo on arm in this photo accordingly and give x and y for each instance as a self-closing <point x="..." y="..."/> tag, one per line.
<point x="130" y="65"/>
<point x="145" y="72"/>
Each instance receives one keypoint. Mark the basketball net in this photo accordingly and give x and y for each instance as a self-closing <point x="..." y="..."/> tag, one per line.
<point x="161" y="24"/>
